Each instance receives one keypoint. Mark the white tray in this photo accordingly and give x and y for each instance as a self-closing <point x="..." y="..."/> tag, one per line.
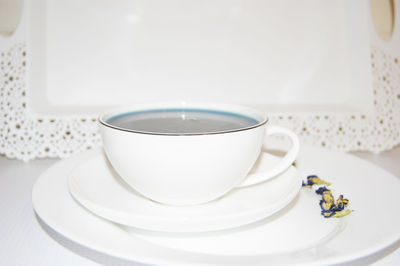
<point x="58" y="72"/>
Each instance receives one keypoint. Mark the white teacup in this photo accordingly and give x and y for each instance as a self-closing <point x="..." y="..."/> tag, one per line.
<point x="189" y="153"/>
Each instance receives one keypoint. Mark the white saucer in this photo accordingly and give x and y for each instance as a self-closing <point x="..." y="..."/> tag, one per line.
<point x="373" y="226"/>
<point x="96" y="186"/>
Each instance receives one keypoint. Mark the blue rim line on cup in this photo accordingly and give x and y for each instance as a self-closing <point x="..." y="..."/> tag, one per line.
<point x="107" y="124"/>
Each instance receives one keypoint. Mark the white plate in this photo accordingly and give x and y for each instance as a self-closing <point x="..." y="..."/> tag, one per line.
<point x="96" y="186"/>
<point x="371" y="227"/>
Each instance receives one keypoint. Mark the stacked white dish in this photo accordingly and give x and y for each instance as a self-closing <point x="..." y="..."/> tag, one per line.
<point x="295" y="234"/>
<point x="98" y="188"/>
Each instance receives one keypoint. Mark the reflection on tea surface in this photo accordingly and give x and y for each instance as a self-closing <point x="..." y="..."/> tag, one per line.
<point x="181" y="121"/>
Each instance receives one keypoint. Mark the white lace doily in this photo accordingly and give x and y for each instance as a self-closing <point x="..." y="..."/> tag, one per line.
<point x="26" y="136"/>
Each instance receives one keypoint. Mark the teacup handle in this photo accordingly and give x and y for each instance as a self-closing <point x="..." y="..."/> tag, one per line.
<point x="283" y="164"/>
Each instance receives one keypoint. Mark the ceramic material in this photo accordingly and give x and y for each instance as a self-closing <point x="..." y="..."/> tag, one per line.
<point x="188" y="169"/>
<point x="98" y="188"/>
<point x="360" y="234"/>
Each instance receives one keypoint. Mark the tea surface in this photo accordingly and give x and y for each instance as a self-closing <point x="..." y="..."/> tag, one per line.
<point x="176" y="121"/>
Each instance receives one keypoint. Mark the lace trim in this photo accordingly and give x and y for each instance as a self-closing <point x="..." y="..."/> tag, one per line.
<point x="26" y="136"/>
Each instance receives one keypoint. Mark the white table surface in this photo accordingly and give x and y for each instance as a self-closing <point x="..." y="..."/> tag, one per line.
<point x="25" y="240"/>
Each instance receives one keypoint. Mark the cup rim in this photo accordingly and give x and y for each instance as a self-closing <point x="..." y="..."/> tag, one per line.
<point x="244" y="111"/>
